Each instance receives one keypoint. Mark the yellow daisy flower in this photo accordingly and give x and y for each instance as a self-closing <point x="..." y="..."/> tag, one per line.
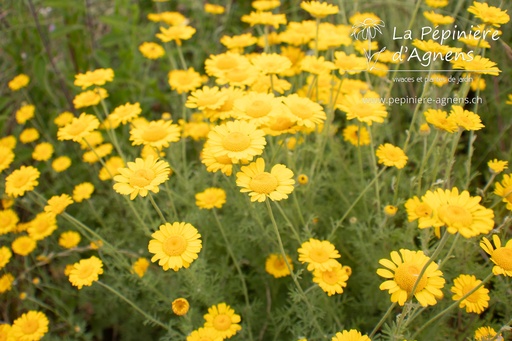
<point x="151" y="50"/>
<point x="223" y="319"/>
<point x="23" y="245"/>
<point x="307" y="113"/>
<point x="61" y="163"/>
<point x="206" y="98"/>
<point x="5" y="256"/>
<point x="260" y="184"/>
<point x="180" y="306"/>
<point x="264" y="18"/>
<point x="141" y="176"/>
<point x="63" y="118"/>
<point x="111" y="168"/>
<point x="466" y="119"/>
<point x="439" y="119"/>
<point x="69" y="239"/>
<point x="213" y="9"/>
<point x="175" y="245"/>
<point x="214" y="163"/>
<point x="487" y="334"/>
<point x="504" y="190"/>
<point x="83" y="191"/>
<point x="276" y="266"/>
<point x="8" y="221"/>
<point x="402" y="273"/>
<point x="85" y="272"/>
<point x="319" y="254"/>
<point x="97" y="77"/>
<point x="124" y="114"/>
<point x="158" y="134"/>
<point x="438" y="19"/>
<point x="316" y="65"/>
<point x="205" y="334"/>
<point x="331" y="281"/>
<point x="78" y="128"/>
<point x="42" y="226"/>
<point x="184" y="80"/>
<point x="500" y="256"/>
<point x="20" y="181"/>
<point x="350" y="335"/>
<point x="271" y="63"/>
<point x="366" y="109"/>
<point x="356" y="137"/>
<point x="477" y="65"/>
<point x="25" y="113"/>
<point x="417" y="209"/>
<point x="265" y="5"/>
<point x="18" y="82"/>
<point x="6" y="158"/>
<point x="58" y="203"/>
<point x="176" y="33"/>
<point x="6" y="282"/>
<point x="257" y="108"/>
<point x="43" y="151"/>
<point x="391" y="156"/>
<point x="89" y="98"/>
<point x="319" y="9"/>
<point x="29" y="135"/>
<point x="478" y="301"/>
<point x="211" y="198"/>
<point x="32" y="325"/>
<point x="140" y="266"/>
<point x="497" y="166"/>
<point x="489" y="14"/>
<point x="239" y="42"/>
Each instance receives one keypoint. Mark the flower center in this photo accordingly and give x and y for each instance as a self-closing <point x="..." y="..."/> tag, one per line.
<point x="455" y="216"/>
<point x="301" y="111"/>
<point x="330" y="277"/>
<point x="222" y="322"/>
<point x="281" y="123"/>
<point x="20" y="180"/>
<point x="474" y="297"/>
<point x="393" y="155"/>
<point x="258" y="109"/>
<point x="30" y="327"/>
<point x="236" y="141"/>
<point x="85" y="271"/>
<point x="279" y="264"/>
<point x="76" y="128"/>
<point x="319" y="255"/>
<point x="154" y="134"/>
<point x="227" y="63"/>
<point x="503" y="258"/>
<point x="406" y="275"/>
<point x="263" y="183"/>
<point x="174" y="245"/>
<point x="142" y="178"/>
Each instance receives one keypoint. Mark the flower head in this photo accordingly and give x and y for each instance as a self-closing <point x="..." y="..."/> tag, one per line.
<point x="42" y="225"/>
<point x="176" y="33"/>
<point x="319" y="254"/>
<point x="465" y="119"/>
<point x="356" y="136"/>
<point x="78" y="128"/>
<point x="157" y="134"/>
<point x="504" y="190"/>
<point x="83" y="191"/>
<point x="141" y="176"/>
<point x="350" y="335"/>
<point x="319" y="9"/>
<point x="213" y="9"/>
<point x="21" y="180"/>
<point x="477" y="301"/>
<point x="5" y="256"/>
<point x="260" y="184"/>
<point x="275" y="265"/>
<point x="184" y="80"/>
<point x="69" y="239"/>
<point x="211" y="198"/>
<point x="140" y="266"/>
<point x="25" y="113"/>
<point x="180" y="306"/>
<point x="402" y="275"/>
<point x="89" y="98"/>
<point x="23" y="245"/>
<point x="86" y="272"/>
<point x="489" y="14"/>
<point x="61" y="163"/>
<point x="175" y="245"/>
<point x="439" y="119"/>
<point x="97" y="77"/>
<point x="264" y="18"/>
<point x="501" y="256"/>
<point x="32" y="325"/>
<point x="6" y="281"/>
<point x="331" y="281"/>
<point x="223" y="319"/>
<point x="151" y="50"/>
<point x="497" y="166"/>
<point x="365" y="108"/>
<point x="18" y="82"/>
<point x="58" y="203"/>
<point x="271" y="63"/>
<point x="305" y="112"/>
<point x="391" y="156"/>
<point x="8" y="221"/>
<point x="487" y="334"/>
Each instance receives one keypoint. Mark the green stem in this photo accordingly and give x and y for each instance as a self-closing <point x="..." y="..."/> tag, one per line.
<point x="451" y="159"/>
<point x="453" y="305"/>
<point x="493" y="176"/>
<point x="180" y="55"/>
<point x="133" y="305"/>
<point x="294" y="231"/>
<point x="450" y="251"/>
<point x="237" y="266"/>
<point x="425" y="157"/>
<point x="382" y="320"/>
<point x="157" y="209"/>
<point x="374" y="166"/>
<point x="294" y="277"/>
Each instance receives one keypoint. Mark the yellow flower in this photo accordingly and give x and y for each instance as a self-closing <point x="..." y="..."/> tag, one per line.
<point x="180" y="306"/>
<point x="98" y="153"/>
<point x="18" y="82"/>
<point x="213" y="9"/>
<point x="438" y="19"/>
<point x="402" y="274"/>
<point x="391" y="156"/>
<point x="206" y="98"/>
<point x="85" y="272"/>
<point x="316" y="65"/>
<point x="497" y="166"/>
<point x="29" y="135"/>
<point x="216" y="163"/>
<point x="97" y="77"/>
<point x="8" y="221"/>
<point x="124" y="114"/>
<point x="351" y="134"/>
<point x="298" y="33"/>
<point x="276" y="266"/>
<point x="175" y="245"/>
<point x="58" y="203"/>
<point x="319" y="9"/>
<point x="257" y="108"/>
<point x="25" y="113"/>
<point x="264" y="18"/>
<point x="271" y="63"/>
<point x="237" y="140"/>
<point x="504" y="190"/>
<point x="23" y="245"/>
<point x="21" y="180"/>
<point x="265" y="5"/>
<point x="78" y="128"/>
<point x="6" y="157"/>
<point x="211" y="198"/>
<point x="63" y="119"/>
<point x="184" y="80"/>
<point x="69" y="239"/>
<point x="350" y="64"/>
<point x="43" y="151"/>
<point x="141" y="177"/>
<point x="460" y="213"/>
<point x="42" y="226"/>
<point x="366" y="109"/>
<point x="319" y="254"/>
<point x="6" y="282"/>
<point x="477" y="301"/>
<point x="434" y="47"/>
<point x="500" y="256"/>
<point x="307" y="113"/>
<point x="302" y="179"/>
<point x="151" y="50"/>
<point x="32" y="325"/>
<point x="487" y="334"/>
<point x="390" y="210"/>
<point x="331" y="281"/>
<point x="140" y="266"/>
<point x="438" y="118"/>
<point x="350" y="335"/>
<point x="5" y="256"/>
<point x="176" y="33"/>
<point x="61" y="163"/>
<point x="223" y="319"/>
<point x="5" y="330"/>
<point x="89" y="98"/>
<point x="170" y="18"/>
<point x="417" y="209"/>
<point x="83" y="191"/>
<point x="111" y="168"/>
<point x="260" y="185"/>
<point x="205" y="334"/>
<point x="437" y="3"/>
<point x="157" y="134"/>
<point x="489" y="14"/>
<point x="465" y="119"/>
<point x="8" y="142"/>
<point x="239" y="42"/>
<point x="478" y="65"/>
